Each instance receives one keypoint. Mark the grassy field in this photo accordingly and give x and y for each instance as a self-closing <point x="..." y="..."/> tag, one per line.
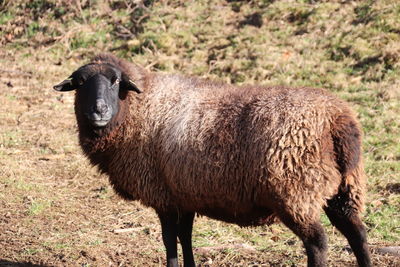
<point x="56" y="210"/>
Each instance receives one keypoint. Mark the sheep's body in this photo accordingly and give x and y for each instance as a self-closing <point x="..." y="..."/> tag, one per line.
<point x="243" y="155"/>
<point x="228" y="152"/>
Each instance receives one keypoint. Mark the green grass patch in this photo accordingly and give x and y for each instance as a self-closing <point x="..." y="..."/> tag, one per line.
<point x="383" y="221"/>
<point x="5" y="17"/>
<point x="38" y="206"/>
<point x="31" y="251"/>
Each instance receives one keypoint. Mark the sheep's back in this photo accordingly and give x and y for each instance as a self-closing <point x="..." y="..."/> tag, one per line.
<point x="231" y="148"/>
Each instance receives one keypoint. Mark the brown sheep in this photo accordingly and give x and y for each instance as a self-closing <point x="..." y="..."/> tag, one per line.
<point x="243" y="155"/>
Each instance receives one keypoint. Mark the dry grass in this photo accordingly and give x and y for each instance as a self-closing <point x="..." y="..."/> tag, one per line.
<point x="57" y="210"/>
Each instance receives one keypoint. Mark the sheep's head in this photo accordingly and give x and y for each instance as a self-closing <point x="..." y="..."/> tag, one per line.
<point x="99" y="87"/>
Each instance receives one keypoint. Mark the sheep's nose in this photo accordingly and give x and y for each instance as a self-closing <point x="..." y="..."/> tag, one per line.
<point x="101" y="106"/>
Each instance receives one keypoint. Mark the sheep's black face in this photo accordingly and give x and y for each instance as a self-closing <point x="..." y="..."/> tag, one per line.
<point x="99" y="91"/>
<point x="98" y="87"/>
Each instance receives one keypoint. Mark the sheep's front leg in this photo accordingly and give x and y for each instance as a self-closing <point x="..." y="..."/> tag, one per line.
<point x="169" y="228"/>
<point x="185" y="226"/>
<point x="180" y="225"/>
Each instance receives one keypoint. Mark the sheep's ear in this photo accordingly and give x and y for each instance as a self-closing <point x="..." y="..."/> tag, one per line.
<point x="64" y="86"/>
<point x="129" y="84"/>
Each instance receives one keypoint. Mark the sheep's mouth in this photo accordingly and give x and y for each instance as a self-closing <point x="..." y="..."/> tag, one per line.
<point x="98" y="120"/>
<point x="99" y="123"/>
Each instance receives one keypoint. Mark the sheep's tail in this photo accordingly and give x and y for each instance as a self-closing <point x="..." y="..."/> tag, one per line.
<point x="346" y="136"/>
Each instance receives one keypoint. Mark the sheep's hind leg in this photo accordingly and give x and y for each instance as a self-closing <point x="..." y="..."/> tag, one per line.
<point x="169" y="230"/>
<point x="185" y="226"/>
<point x="313" y="237"/>
<point x="348" y="222"/>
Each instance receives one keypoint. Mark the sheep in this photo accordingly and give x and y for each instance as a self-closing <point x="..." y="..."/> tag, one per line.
<point x="248" y="155"/>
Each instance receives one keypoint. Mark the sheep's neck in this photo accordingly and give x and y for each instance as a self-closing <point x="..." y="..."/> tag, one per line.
<point x="99" y="144"/>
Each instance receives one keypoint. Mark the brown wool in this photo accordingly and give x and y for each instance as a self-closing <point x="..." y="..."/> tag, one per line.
<point x="238" y="154"/>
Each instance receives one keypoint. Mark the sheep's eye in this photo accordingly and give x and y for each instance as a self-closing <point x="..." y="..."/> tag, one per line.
<point x="81" y="81"/>
<point x="115" y="81"/>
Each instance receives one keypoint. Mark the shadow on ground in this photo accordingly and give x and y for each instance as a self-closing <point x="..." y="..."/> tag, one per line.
<point x="5" y="263"/>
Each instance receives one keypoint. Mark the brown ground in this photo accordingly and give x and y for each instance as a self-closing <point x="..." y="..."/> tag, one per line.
<point x="55" y="210"/>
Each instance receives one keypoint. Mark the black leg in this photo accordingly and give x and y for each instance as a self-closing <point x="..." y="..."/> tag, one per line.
<point x="185" y="226"/>
<point x="313" y="237"/>
<point x="348" y="222"/>
<point x="169" y="230"/>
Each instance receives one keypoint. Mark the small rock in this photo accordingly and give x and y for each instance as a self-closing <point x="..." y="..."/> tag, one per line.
<point x="394" y="251"/>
